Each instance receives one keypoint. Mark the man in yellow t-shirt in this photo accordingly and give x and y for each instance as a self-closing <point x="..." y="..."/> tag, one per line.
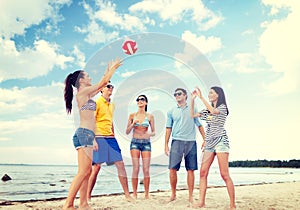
<point x="106" y="147"/>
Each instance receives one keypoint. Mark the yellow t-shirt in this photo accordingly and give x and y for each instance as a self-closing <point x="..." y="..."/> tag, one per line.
<point x="104" y="117"/>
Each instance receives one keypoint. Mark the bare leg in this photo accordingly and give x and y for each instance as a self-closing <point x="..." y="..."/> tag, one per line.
<point x="135" y="157"/>
<point x="190" y="183"/>
<point x="84" y="170"/>
<point x="223" y="165"/>
<point x="173" y="182"/>
<point x="146" y="157"/>
<point x="92" y="179"/>
<point x="208" y="158"/>
<point x="123" y="179"/>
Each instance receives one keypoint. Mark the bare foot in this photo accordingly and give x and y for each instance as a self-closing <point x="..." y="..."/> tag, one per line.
<point x="66" y="207"/>
<point x="232" y="207"/>
<point x="172" y="198"/>
<point x="129" y="198"/>
<point x="147" y="196"/>
<point x="85" y="208"/>
<point x="134" y="196"/>
<point x="198" y="205"/>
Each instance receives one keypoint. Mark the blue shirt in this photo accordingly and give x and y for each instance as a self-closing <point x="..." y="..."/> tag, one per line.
<point x="182" y="124"/>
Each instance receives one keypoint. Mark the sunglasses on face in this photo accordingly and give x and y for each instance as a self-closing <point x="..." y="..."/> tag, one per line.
<point x="140" y="99"/>
<point x="109" y="86"/>
<point x="177" y="94"/>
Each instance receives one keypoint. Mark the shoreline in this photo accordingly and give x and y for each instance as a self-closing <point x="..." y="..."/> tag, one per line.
<point x="248" y="196"/>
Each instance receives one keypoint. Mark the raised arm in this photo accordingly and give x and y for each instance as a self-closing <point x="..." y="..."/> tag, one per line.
<point x="206" y="104"/>
<point x="192" y="110"/>
<point x="112" y="66"/>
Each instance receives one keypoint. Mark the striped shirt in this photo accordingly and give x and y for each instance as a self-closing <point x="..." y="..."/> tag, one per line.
<point x="215" y="131"/>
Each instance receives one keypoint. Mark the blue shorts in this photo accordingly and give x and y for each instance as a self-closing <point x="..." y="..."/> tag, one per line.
<point x="83" y="138"/>
<point x="188" y="149"/>
<point x="108" y="152"/>
<point x="140" y="144"/>
<point x="220" y="147"/>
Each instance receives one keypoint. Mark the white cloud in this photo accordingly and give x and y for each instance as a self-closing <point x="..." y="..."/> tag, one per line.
<point x="29" y="62"/>
<point x="203" y="44"/>
<point x="105" y="14"/>
<point x="31" y="100"/>
<point x="176" y="10"/>
<point x="248" y="32"/>
<point x="96" y="33"/>
<point x="16" y="16"/>
<point x="79" y="57"/>
<point x="280" y="46"/>
<point x="127" y="74"/>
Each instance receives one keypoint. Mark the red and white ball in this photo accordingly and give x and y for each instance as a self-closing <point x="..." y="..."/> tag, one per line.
<point x="129" y="47"/>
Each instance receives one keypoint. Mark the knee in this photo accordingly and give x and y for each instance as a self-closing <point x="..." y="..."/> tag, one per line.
<point x="146" y="172"/>
<point x="225" y="176"/>
<point x="96" y="168"/>
<point x="203" y="173"/>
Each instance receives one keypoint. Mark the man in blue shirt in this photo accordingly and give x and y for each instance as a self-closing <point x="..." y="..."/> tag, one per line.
<point x="182" y="127"/>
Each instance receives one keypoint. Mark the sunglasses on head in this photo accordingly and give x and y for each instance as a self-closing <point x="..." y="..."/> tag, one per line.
<point x="140" y="99"/>
<point x="109" y="86"/>
<point x="177" y="94"/>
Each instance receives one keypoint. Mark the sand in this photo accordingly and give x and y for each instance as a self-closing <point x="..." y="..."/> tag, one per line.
<point x="260" y="196"/>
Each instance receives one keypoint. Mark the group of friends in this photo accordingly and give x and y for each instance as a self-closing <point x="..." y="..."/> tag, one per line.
<point x="95" y="141"/>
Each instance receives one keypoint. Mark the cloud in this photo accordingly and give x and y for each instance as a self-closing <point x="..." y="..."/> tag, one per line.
<point x="16" y="16"/>
<point x="104" y="14"/>
<point x="176" y="10"/>
<point x="30" y="101"/>
<point x="29" y="62"/>
<point x="79" y="57"/>
<point x="279" y="44"/>
<point x="127" y="74"/>
<point x="203" y="44"/>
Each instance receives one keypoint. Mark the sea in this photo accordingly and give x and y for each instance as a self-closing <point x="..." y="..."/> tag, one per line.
<point x="40" y="182"/>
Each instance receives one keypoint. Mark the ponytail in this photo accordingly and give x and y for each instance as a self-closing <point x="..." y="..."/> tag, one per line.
<point x="71" y="80"/>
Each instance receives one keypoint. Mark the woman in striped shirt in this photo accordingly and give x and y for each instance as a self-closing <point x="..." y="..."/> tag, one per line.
<point x="216" y="141"/>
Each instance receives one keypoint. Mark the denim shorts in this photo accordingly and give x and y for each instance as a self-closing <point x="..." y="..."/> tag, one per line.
<point x="186" y="149"/>
<point x="83" y="138"/>
<point x="220" y="147"/>
<point x="140" y="144"/>
<point x="108" y="152"/>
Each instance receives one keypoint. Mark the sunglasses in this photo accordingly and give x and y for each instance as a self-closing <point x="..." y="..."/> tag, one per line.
<point x="109" y="86"/>
<point x="140" y="99"/>
<point x="177" y="94"/>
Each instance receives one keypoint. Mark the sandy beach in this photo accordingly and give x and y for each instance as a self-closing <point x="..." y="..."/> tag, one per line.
<point x="260" y="196"/>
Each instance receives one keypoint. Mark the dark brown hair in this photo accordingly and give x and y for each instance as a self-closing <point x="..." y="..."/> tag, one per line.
<point x="71" y="80"/>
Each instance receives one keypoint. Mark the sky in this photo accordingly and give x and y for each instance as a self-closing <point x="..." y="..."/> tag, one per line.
<point x="249" y="48"/>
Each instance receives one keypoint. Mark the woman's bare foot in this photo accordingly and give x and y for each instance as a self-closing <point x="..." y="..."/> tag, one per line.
<point x="129" y="198"/>
<point x="198" y="205"/>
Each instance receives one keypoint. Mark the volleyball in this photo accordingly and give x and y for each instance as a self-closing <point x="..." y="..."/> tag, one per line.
<point x="129" y="47"/>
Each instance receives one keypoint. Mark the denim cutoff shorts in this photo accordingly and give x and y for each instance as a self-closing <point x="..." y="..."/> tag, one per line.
<point x="140" y="144"/>
<point x="83" y="137"/>
<point x="186" y="149"/>
<point x="220" y="147"/>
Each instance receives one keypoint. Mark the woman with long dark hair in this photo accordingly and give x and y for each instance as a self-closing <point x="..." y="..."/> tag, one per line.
<point x="84" y="135"/>
<point x="140" y="144"/>
<point x="216" y="141"/>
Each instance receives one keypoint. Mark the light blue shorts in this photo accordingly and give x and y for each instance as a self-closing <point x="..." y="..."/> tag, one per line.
<point x="220" y="147"/>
